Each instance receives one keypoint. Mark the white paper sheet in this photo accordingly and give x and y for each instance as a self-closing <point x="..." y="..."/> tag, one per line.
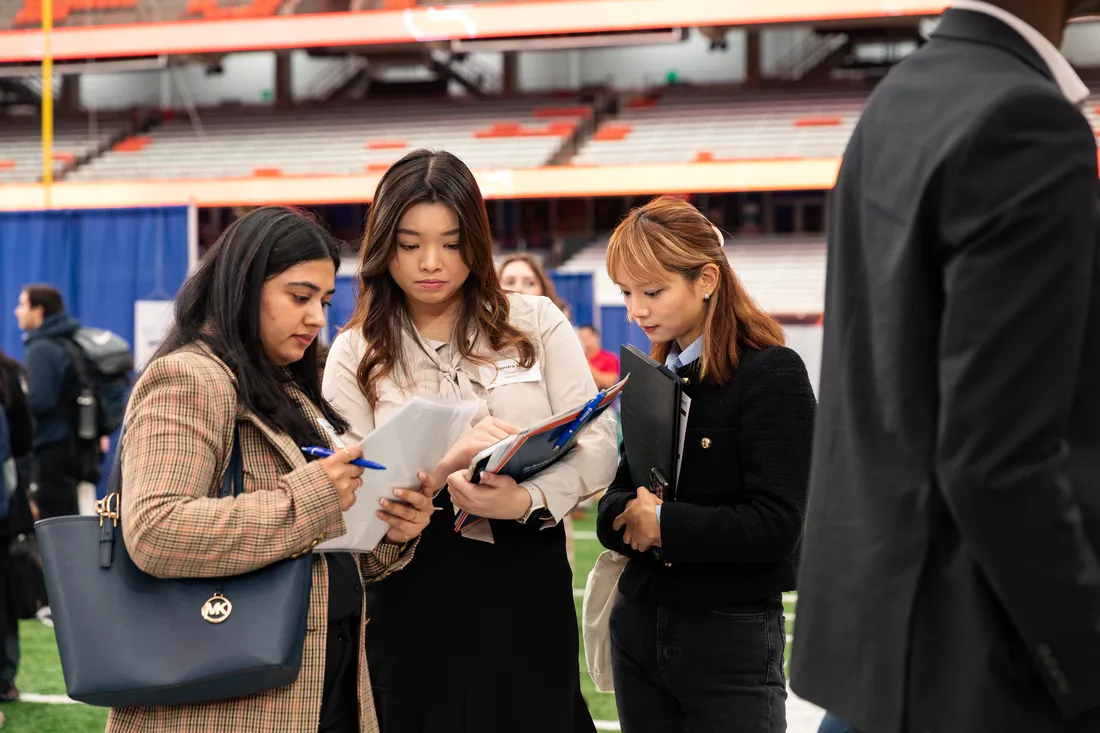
<point x="415" y="439"/>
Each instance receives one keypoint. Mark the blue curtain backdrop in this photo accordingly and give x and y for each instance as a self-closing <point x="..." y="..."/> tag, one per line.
<point x="615" y="330"/>
<point x="577" y="290"/>
<point x="343" y="303"/>
<point x="101" y="260"/>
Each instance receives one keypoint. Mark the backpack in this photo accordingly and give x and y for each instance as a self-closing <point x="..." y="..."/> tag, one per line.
<point x="103" y="363"/>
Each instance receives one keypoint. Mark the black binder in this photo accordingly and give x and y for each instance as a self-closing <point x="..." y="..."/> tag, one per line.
<point x="650" y="421"/>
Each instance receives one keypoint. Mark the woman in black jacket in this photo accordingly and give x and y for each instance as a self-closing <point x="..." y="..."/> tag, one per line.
<point x="697" y="632"/>
<point x="13" y="399"/>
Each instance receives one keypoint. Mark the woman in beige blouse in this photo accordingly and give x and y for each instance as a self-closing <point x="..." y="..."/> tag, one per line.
<point x="499" y="651"/>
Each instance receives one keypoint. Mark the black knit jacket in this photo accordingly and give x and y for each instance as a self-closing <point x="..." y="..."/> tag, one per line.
<point x="733" y="530"/>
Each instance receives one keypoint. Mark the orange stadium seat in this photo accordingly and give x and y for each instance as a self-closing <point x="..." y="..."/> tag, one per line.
<point x="819" y="122"/>
<point x="7" y="165"/>
<point x="613" y="132"/>
<point x="133" y="144"/>
<point x="678" y="122"/>
<point x="31" y="12"/>
<point x="211" y="10"/>
<point x="514" y="129"/>
<point x="582" y="112"/>
<point x="267" y="172"/>
<point x="387" y="145"/>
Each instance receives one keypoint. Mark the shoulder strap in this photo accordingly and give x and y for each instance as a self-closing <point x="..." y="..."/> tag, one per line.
<point x="79" y="360"/>
<point x="232" y="482"/>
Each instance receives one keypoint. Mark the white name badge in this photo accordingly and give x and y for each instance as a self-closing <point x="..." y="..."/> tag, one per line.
<point x="337" y="441"/>
<point x="508" y="372"/>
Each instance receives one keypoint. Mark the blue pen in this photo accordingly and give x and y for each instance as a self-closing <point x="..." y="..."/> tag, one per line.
<point x="325" y="453"/>
<point x="588" y="410"/>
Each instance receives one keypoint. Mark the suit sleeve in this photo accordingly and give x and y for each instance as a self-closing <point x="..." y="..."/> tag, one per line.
<point x="1019" y="218"/>
<point x="178" y="429"/>
<point x="777" y="409"/>
<point x="612" y="504"/>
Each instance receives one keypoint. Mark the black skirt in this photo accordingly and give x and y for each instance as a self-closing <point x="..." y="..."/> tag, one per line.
<point x="474" y="637"/>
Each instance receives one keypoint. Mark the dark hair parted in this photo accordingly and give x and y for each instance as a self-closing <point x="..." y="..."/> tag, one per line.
<point x="46" y="297"/>
<point x="219" y="305"/>
<point x="381" y="311"/>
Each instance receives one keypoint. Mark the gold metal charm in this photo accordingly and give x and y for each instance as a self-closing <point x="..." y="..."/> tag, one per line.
<point x="107" y="508"/>
<point x="217" y="609"/>
<point x="705" y="442"/>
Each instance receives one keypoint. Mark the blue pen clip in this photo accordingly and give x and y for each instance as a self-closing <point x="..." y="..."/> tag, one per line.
<point x="573" y="426"/>
<point x="319" y="452"/>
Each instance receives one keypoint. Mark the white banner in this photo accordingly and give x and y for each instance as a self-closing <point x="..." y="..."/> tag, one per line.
<point x="152" y="319"/>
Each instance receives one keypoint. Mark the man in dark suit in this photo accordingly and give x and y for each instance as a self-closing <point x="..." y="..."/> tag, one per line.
<point x="950" y="579"/>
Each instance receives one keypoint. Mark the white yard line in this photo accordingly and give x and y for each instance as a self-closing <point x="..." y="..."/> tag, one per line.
<point x="607" y="725"/>
<point x="581" y="534"/>
<point x="48" y="699"/>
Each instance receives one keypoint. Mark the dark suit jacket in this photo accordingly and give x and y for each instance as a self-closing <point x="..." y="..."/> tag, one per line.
<point x="731" y="535"/>
<point x="949" y="579"/>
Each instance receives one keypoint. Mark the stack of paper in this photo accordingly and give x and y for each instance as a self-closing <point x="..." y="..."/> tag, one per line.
<point x="414" y="440"/>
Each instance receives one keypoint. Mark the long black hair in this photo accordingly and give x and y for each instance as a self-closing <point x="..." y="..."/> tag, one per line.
<point x="220" y="306"/>
<point x="10" y="371"/>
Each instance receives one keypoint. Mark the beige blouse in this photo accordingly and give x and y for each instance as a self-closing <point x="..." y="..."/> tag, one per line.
<point x="559" y="380"/>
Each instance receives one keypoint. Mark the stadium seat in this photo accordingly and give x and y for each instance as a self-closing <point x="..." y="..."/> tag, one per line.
<point x="338" y="139"/>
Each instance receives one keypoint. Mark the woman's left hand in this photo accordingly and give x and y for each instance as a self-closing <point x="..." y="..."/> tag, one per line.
<point x="407" y="520"/>
<point x="643" y="530"/>
<point x="496" y="497"/>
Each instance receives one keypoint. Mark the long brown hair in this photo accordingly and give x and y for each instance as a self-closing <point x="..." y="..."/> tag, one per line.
<point x="545" y="282"/>
<point x="381" y="311"/>
<point x="671" y="235"/>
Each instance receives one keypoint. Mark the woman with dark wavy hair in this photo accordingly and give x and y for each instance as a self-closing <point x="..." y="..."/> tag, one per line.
<point x="499" y="648"/>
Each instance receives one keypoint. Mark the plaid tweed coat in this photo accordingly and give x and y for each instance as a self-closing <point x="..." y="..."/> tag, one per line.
<point x="179" y="435"/>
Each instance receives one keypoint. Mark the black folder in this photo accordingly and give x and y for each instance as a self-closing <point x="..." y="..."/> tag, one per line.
<point x="650" y="421"/>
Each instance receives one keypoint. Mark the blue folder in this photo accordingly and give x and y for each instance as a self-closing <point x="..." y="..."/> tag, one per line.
<point x="524" y="455"/>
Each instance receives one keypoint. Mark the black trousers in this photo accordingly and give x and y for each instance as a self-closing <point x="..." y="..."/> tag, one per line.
<point x="682" y="670"/>
<point x="57" y="478"/>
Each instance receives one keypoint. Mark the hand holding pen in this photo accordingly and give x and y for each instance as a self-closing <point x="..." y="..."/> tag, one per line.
<point x="345" y="469"/>
<point x="326" y="453"/>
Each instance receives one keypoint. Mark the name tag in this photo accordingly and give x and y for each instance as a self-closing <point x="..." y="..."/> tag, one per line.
<point x="508" y="372"/>
<point x="326" y="426"/>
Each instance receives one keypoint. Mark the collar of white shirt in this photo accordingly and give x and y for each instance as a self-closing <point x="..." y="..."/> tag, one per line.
<point x="688" y="356"/>
<point x="1067" y="79"/>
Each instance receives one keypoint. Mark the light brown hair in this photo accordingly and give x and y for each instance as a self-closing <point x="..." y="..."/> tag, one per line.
<point x="545" y="282"/>
<point x="669" y="235"/>
<point x="381" y="312"/>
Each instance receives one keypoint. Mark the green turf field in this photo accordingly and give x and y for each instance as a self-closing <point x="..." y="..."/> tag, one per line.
<point x="40" y="670"/>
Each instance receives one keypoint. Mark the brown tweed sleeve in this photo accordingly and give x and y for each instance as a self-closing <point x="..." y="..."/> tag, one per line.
<point x="179" y="427"/>
<point x="387" y="559"/>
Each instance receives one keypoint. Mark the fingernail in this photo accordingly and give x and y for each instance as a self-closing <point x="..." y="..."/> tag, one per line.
<point x="399" y="493"/>
<point x="381" y="515"/>
<point x="384" y="502"/>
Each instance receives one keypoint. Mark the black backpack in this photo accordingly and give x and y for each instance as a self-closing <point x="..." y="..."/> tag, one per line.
<point x="103" y="364"/>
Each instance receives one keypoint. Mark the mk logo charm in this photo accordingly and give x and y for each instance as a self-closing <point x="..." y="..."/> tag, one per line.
<point x="217" y="609"/>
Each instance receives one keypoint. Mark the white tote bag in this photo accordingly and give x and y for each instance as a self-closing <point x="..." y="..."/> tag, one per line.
<point x="600" y="593"/>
